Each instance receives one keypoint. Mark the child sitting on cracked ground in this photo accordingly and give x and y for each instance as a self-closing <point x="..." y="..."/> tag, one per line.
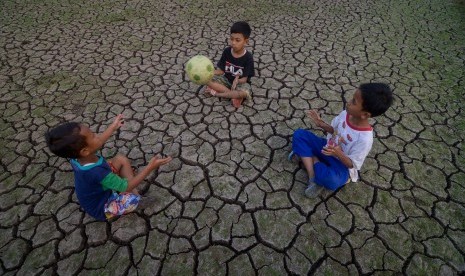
<point x="330" y="162"/>
<point x="105" y="189"/>
<point x="235" y="68"/>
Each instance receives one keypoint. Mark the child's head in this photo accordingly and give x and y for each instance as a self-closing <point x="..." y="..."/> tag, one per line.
<point x="65" y="140"/>
<point x="240" y="33"/>
<point x="376" y="98"/>
<point x="242" y="28"/>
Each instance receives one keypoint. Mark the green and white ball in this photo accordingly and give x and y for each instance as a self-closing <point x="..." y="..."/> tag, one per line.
<point x="200" y="69"/>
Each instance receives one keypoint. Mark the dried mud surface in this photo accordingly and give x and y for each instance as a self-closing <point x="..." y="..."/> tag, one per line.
<point x="230" y="202"/>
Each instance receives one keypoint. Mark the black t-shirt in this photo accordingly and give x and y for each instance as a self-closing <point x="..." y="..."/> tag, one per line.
<point x="231" y="65"/>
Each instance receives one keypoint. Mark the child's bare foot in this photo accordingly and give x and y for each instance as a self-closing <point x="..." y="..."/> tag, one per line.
<point x="238" y="101"/>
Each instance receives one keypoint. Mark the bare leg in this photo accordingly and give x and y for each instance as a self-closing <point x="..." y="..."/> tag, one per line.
<point x="124" y="169"/>
<point x="308" y="164"/>
<point x="224" y="92"/>
<point x="218" y="87"/>
<point x="233" y="94"/>
<point x="313" y="189"/>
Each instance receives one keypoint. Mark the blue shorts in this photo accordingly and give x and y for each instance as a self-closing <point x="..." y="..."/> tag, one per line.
<point x="330" y="172"/>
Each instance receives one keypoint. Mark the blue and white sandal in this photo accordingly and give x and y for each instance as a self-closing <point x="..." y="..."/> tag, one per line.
<point x="313" y="189"/>
<point x="290" y="156"/>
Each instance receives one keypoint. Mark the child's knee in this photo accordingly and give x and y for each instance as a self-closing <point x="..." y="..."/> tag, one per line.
<point x="121" y="159"/>
<point x="330" y="182"/>
<point x="211" y="83"/>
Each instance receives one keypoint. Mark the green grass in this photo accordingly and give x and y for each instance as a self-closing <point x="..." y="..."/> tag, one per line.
<point x="47" y="81"/>
<point x="246" y="10"/>
<point x="31" y="14"/>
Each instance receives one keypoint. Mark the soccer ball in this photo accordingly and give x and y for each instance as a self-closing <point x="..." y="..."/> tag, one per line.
<point x="200" y="69"/>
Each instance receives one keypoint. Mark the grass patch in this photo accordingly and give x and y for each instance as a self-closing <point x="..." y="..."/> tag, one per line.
<point x="32" y="13"/>
<point x="122" y="15"/>
<point x="47" y="81"/>
<point x="246" y="10"/>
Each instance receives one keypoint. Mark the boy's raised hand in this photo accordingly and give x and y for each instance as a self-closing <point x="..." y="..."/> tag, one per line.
<point x="154" y="163"/>
<point x="313" y="114"/>
<point x="118" y="122"/>
<point x="157" y="161"/>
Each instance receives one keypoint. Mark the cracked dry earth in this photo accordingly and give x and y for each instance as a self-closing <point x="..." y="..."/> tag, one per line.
<point x="230" y="202"/>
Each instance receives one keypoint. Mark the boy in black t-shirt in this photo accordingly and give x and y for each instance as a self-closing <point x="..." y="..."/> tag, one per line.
<point x="235" y="68"/>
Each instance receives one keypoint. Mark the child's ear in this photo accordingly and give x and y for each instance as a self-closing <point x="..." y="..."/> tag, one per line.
<point x="84" y="152"/>
<point x="366" y="115"/>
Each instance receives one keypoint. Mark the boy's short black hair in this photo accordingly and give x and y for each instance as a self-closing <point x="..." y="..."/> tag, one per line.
<point x="241" y="27"/>
<point x="65" y="140"/>
<point x="377" y="98"/>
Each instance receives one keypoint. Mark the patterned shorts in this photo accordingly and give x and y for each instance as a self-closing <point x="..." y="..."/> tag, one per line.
<point x="224" y="81"/>
<point x="120" y="204"/>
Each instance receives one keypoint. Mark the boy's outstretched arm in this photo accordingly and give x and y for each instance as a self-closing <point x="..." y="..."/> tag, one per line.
<point x="336" y="151"/>
<point x="117" y="123"/>
<point x="154" y="164"/>
<point x="313" y="114"/>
